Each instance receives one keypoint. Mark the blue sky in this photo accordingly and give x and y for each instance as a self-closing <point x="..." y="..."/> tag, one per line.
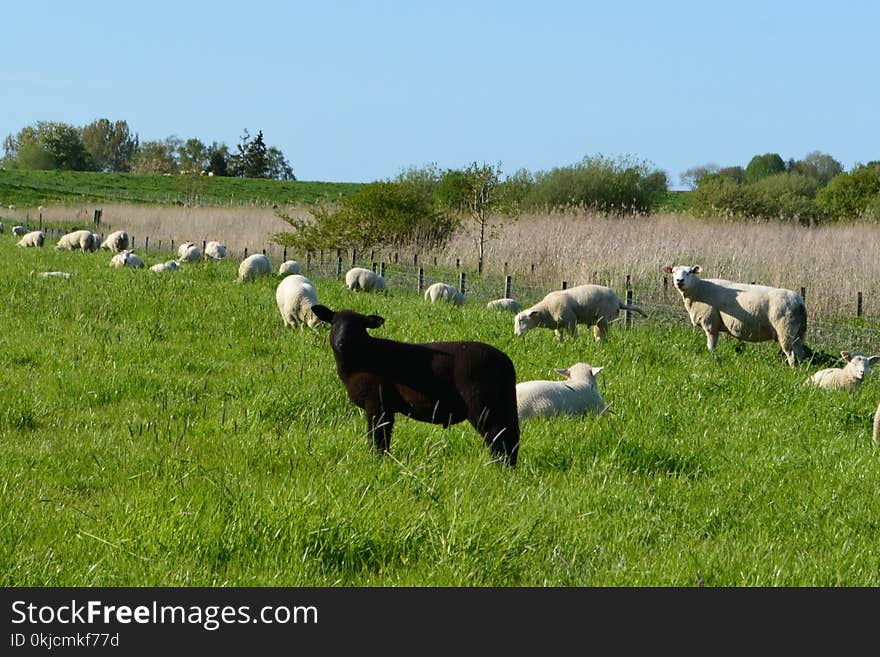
<point x="359" y="91"/>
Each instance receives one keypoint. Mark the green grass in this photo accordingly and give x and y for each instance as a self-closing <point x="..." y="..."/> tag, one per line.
<point x="168" y="430"/>
<point x="33" y="188"/>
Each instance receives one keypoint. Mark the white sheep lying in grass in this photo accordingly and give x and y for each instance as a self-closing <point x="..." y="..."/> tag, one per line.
<point x="19" y="231"/>
<point x="126" y="258"/>
<point x="254" y="265"/>
<point x="54" y="274"/>
<point x="754" y="313"/>
<point x="288" y="267"/>
<point x="510" y="305"/>
<point x="577" y="395"/>
<point x="171" y="265"/>
<point x="215" y="250"/>
<point x="365" y="280"/>
<point x="84" y="240"/>
<point x="33" y="238"/>
<point x="444" y="292"/>
<point x="117" y="241"/>
<point x="563" y="310"/>
<point x="295" y="296"/>
<point x="189" y="252"/>
<point x="848" y="377"/>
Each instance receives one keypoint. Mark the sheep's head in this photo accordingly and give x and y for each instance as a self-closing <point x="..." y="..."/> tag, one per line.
<point x="859" y="365"/>
<point x="525" y="320"/>
<point x="348" y="329"/>
<point x="580" y="372"/>
<point x="683" y="276"/>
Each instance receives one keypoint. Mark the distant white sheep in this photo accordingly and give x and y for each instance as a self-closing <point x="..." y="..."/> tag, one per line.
<point x="12" y="206"/>
<point x="288" y="267"/>
<point x="510" y="305"/>
<point x="117" y="241"/>
<point x="126" y="258"/>
<point x="33" y="238"/>
<point x="444" y="292"/>
<point x="83" y="240"/>
<point x="215" y="250"/>
<point x="171" y="265"/>
<point x="577" y="395"/>
<point x="189" y="252"/>
<point x="54" y="274"/>
<point x="563" y="310"/>
<point x="848" y="377"/>
<point x="19" y="231"/>
<point x="295" y="296"/>
<point x="754" y="313"/>
<point x="365" y="280"/>
<point x="254" y="265"/>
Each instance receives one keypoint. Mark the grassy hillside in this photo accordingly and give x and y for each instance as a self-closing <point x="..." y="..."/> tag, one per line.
<point x="168" y="430"/>
<point x="33" y="188"/>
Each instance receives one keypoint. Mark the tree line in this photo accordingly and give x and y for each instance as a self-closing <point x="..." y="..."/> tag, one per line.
<point x="110" y="146"/>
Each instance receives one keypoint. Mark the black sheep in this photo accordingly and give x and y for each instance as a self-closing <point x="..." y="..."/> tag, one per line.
<point x="437" y="382"/>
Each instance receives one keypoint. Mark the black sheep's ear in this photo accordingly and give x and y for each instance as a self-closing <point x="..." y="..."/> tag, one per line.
<point x="323" y="313"/>
<point x="374" y="321"/>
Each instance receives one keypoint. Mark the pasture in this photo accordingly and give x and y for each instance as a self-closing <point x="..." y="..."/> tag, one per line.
<point x="168" y="430"/>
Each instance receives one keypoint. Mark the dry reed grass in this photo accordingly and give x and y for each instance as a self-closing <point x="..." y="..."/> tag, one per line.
<point x="833" y="262"/>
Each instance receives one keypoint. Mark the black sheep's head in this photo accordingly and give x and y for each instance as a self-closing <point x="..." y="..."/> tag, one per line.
<point x="348" y="329"/>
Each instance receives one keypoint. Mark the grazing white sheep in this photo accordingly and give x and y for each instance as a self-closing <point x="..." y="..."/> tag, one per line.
<point x="288" y="267"/>
<point x="19" y="231"/>
<point x="754" y="313"/>
<point x="84" y="240"/>
<point x="117" y="241"/>
<point x="510" y="305"/>
<point x="295" y="296"/>
<point x="189" y="252"/>
<point x="254" y="265"/>
<point x="444" y="292"/>
<point x="33" y="238"/>
<point x="577" y="395"/>
<point x="215" y="250"/>
<point x="848" y="377"/>
<point x="563" y="310"/>
<point x="126" y="258"/>
<point x="171" y="265"/>
<point x="366" y="280"/>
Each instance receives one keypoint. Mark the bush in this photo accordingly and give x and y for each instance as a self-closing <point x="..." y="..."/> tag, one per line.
<point x="851" y="195"/>
<point x="783" y="196"/>
<point x="762" y="166"/>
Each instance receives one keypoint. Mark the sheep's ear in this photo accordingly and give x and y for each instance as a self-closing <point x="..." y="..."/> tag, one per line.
<point x="696" y="269"/>
<point x="667" y="269"/>
<point x="873" y="360"/>
<point x="565" y="373"/>
<point x="846" y="356"/>
<point x="596" y="370"/>
<point x="534" y="313"/>
<point x="323" y="313"/>
<point x="374" y="321"/>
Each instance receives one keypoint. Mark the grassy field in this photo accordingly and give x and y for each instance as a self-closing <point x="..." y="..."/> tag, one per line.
<point x="30" y="189"/>
<point x="168" y="430"/>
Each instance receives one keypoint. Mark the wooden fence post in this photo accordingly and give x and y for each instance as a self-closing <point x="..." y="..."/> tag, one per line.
<point x="147" y="244"/>
<point x="245" y="252"/>
<point x="859" y="305"/>
<point x="353" y="256"/>
<point x="373" y="267"/>
<point x="382" y="269"/>
<point x="284" y="255"/>
<point x="309" y="260"/>
<point x="628" y="313"/>
<point x="339" y="267"/>
<point x="507" y="285"/>
<point x="564" y="285"/>
<point x="421" y="279"/>
<point x="803" y="293"/>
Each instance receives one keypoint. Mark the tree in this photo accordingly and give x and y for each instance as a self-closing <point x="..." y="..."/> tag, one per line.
<point x="817" y="165"/>
<point x="48" y="145"/>
<point x="255" y="159"/>
<point x="110" y="145"/>
<point x="218" y="159"/>
<point x="477" y="194"/>
<point x="762" y="166"/>
<point x="192" y="156"/>
<point x="690" y="178"/>
<point x="157" y="156"/>
<point x="278" y="167"/>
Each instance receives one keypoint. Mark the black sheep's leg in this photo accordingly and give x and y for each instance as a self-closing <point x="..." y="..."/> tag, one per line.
<point x="500" y="431"/>
<point x="380" y="425"/>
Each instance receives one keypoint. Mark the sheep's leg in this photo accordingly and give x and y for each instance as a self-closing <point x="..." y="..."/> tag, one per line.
<point x="501" y="437"/>
<point x="600" y="330"/>
<point x="711" y="339"/>
<point x="379" y="426"/>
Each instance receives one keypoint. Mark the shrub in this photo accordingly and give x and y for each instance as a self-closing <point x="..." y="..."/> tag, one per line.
<point x="849" y="195"/>
<point x="762" y="166"/>
<point x="783" y="196"/>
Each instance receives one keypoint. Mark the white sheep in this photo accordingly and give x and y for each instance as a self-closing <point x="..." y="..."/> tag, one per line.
<point x="12" y="206"/>
<point x="848" y="377"/>
<point x="563" y="310"/>
<point x="33" y="238"/>
<point x="366" y="280"/>
<point x="171" y="265"/>
<point x="754" y="313"/>
<point x="19" y="231"/>
<point x="84" y="240"/>
<point x="54" y="274"/>
<point x="510" y="305"/>
<point x="295" y="296"/>
<point x="215" y="250"/>
<point x="189" y="252"/>
<point x="288" y="267"/>
<point x="577" y="395"/>
<point x="117" y="241"/>
<point x="126" y="258"/>
<point x="254" y="265"/>
<point x="444" y="292"/>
